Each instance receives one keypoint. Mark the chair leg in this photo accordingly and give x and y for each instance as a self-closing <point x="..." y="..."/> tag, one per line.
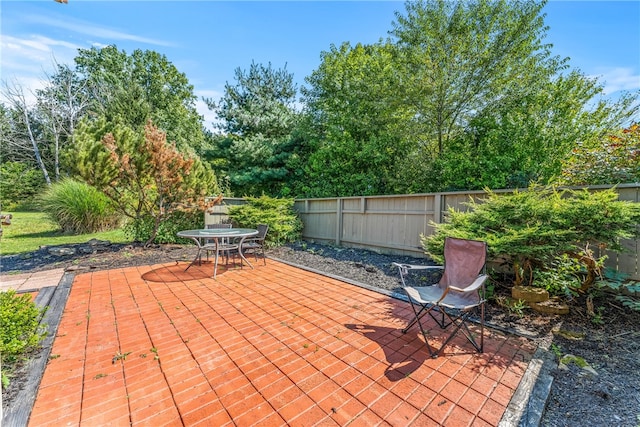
<point x="419" y="314"/>
<point x="426" y="341"/>
<point x="460" y="324"/>
<point x="481" y="327"/>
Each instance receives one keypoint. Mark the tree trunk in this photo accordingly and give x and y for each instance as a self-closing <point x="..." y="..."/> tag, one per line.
<point x="36" y="150"/>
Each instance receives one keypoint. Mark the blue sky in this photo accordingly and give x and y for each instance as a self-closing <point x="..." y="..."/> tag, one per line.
<point x="208" y="40"/>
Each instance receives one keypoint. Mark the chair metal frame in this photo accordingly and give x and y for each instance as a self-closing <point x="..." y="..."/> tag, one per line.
<point x="256" y="243"/>
<point x="223" y="244"/>
<point x="455" y="301"/>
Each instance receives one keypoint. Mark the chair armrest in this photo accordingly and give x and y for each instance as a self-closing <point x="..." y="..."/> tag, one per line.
<point x="473" y="287"/>
<point x="253" y="239"/>
<point x="418" y="267"/>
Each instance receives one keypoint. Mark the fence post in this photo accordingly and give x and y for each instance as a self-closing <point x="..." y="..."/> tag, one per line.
<point x="339" y="206"/>
<point x="437" y="207"/>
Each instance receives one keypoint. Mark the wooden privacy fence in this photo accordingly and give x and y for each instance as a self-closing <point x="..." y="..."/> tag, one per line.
<point x="393" y="224"/>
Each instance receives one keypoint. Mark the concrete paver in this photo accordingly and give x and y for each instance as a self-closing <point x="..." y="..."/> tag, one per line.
<point x="30" y="281"/>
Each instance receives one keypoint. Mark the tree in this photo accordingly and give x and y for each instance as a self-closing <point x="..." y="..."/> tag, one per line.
<point x="39" y="132"/>
<point x="612" y="160"/>
<point x="458" y="58"/>
<point x="62" y="103"/>
<point x="257" y="117"/>
<point x="24" y="129"/>
<point x="386" y="115"/>
<point x="147" y="178"/>
<point x="357" y="122"/>
<point x="465" y="95"/>
<point x="133" y="89"/>
<point x="261" y="102"/>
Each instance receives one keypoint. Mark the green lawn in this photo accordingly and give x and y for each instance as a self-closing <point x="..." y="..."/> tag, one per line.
<point x="30" y="230"/>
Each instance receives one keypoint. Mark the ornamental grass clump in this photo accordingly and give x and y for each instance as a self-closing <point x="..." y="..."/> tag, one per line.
<point x="79" y="208"/>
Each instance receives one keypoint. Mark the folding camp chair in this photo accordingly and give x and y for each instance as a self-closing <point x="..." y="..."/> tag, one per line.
<point x="456" y="296"/>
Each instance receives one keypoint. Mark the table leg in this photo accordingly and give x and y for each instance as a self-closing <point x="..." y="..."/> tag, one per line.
<point x="215" y="264"/>
<point x="198" y="255"/>
<point x="241" y="254"/>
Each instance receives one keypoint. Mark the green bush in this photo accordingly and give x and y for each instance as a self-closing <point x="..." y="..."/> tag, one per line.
<point x="533" y="230"/>
<point x="20" y="331"/>
<point x="564" y="276"/>
<point x="278" y="214"/>
<point x="18" y="183"/>
<point x="627" y="291"/>
<point x="140" y="230"/>
<point x="78" y="208"/>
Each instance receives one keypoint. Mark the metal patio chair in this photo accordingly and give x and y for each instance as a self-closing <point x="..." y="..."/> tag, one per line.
<point x="256" y="244"/>
<point x="224" y="245"/>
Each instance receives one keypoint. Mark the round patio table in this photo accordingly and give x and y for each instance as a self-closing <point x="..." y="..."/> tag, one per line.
<point x="218" y="239"/>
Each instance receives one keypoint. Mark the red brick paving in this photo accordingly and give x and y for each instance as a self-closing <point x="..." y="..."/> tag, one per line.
<point x="271" y="346"/>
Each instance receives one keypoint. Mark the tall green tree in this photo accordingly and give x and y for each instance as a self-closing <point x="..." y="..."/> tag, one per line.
<point x="142" y="86"/>
<point x="464" y="95"/>
<point x="256" y="118"/>
<point x="458" y="58"/>
<point x="356" y="122"/>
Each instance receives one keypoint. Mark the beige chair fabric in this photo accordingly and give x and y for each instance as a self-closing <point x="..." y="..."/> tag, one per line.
<point x="455" y="297"/>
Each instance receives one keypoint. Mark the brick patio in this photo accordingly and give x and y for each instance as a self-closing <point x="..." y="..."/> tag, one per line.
<point x="276" y="345"/>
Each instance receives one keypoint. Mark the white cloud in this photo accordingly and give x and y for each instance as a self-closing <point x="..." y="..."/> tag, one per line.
<point x="96" y="31"/>
<point x="617" y="79"/>
<point x="25" y="61"/>
<point x="27" y="58"/>
<point x="30" y="53"/>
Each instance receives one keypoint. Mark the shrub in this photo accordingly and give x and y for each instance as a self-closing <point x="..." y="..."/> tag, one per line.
<point x="532" y="230"/>
<point x="146" y="177"/>
<point x="140" y="230"/>
<point x="20" y="331"/>
<point x="78" y="208"/>
<point x="278" y="214"/>
<point x="18" y="183"/>
<point x="613" y="160"/>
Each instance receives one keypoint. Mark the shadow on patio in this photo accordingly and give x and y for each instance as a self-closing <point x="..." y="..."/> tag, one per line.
<point x="275" y="345"/>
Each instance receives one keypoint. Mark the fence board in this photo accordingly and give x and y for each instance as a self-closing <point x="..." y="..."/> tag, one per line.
<point x="629" y="260"/>
<point x="393" y="224"/>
